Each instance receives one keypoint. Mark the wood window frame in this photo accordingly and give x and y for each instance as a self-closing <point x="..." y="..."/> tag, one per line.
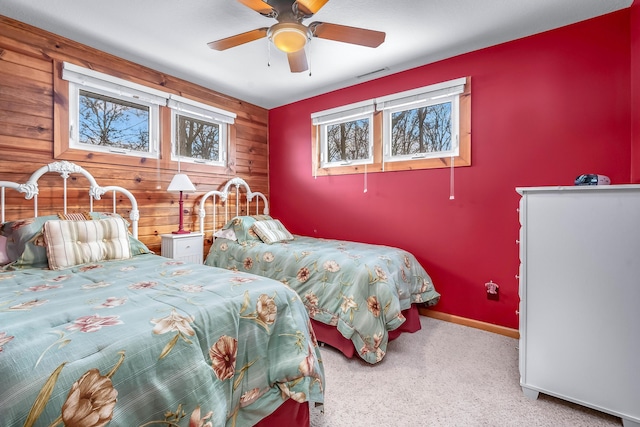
<point x="194" y="110"/>
<point x="461" y="160"/>
<point x="63" y="151"/>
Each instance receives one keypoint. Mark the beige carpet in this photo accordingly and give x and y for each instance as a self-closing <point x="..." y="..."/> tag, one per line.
<point x="442" y="375"/>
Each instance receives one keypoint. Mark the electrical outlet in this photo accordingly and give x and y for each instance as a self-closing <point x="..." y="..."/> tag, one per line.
<point x="493" y="290"/>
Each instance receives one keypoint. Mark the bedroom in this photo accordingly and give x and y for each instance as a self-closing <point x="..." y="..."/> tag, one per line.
<point x="516" y="86"/>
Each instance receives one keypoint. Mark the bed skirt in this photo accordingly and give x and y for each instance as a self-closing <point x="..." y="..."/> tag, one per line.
<point x="329" y="334"/>
<point x="290" y="413"/>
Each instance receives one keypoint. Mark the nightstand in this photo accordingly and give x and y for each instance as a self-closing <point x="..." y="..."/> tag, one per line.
<point x="184" y="247"/>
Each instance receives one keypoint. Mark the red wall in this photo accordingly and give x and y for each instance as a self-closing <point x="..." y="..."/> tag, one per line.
<point x="544" y="109"/>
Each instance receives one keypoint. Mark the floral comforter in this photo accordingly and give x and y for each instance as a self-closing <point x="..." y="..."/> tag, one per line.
<point x="150" y="341"/>
<point x="361" y="289"/>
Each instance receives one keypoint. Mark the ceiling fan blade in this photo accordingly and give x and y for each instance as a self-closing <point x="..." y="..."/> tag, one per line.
<point x="345" y="34"/>
<point x="298" y="61"/>
<point x="257" y="5"/>
<point x="238" y="39"/>
<point x="309" y="7"/>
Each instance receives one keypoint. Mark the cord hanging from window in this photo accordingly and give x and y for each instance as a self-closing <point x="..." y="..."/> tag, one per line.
<point x="227" y="159"/>
<point x="382" y="161"/>
<point x="315" y="159"/>
<point x="451" y="183"/>
<point x="365" y="178"/>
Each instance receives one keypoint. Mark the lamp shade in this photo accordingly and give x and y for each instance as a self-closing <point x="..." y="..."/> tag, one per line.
<point x="181" y="182"/>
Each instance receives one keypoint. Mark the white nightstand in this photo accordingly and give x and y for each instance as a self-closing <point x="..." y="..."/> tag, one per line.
<point x="184" y="247"/>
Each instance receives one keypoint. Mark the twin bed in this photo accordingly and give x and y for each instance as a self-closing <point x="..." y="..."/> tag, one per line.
<point x="96" y="330"/>
<point x="359" y="296"/>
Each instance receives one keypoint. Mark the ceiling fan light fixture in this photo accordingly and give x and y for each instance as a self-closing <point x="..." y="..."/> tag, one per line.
<point x="289" y="37"/>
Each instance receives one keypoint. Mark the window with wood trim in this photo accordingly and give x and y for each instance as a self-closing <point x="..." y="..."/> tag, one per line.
<point x="424" y="128"/>
<point x="112" y="115"/>
<point x="199" y="132"/>
<point x="98" y="116"/>
<point x="345" y="135"/>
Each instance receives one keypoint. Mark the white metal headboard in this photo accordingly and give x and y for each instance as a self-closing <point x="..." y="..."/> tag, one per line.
<point x="66" y="169"/>
<point x="222" y="196"/>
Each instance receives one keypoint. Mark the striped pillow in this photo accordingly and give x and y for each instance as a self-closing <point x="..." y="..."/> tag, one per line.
<point x="71" y="243"/>
<point x="242" y="226"/>
<point x="75" y="216"/>
<point x="271" y="231"/>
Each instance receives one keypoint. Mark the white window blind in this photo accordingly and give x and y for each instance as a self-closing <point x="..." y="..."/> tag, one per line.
<point x="344" y="113"/>
<point x="97" y="80"/>
<point x="199" y="109"/>
<point x="421" y="95"/>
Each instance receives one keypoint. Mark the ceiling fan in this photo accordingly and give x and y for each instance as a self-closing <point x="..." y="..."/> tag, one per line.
<point x="290" y="35"/>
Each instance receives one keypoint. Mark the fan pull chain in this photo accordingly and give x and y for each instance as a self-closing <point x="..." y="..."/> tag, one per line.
<point x="308" y="52"/>
<point x="268" y="53"/>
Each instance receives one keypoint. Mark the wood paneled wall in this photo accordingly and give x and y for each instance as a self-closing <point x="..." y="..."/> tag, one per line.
<point x="30" y="61"/>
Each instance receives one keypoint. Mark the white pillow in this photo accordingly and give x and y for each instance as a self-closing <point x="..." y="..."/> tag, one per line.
<point x="72" y="243"/>
<point x="227" y="233"/>
<point x="4" y="258"/>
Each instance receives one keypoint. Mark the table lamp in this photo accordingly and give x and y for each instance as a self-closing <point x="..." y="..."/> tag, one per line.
<point x="181" y="184"/>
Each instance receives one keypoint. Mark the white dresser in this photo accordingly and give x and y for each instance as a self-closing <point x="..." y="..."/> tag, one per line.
<point x="184" y="247"/>
<point x="580" y="296"/>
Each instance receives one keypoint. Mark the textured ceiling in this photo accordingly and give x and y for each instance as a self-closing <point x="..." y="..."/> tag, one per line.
<point x="171" y="36"/>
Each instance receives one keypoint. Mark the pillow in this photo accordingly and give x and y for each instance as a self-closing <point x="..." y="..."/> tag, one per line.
<point x="25" y="241"/>
<point x="73" y="216"/>
<point x="271" y="231"/>
<point x="25" y="244"/>
<point x="227" y="233"/>
<point x="137" y="247"/>
<point x="242" y="227"/>
<point x="4" y="258"/>
<point x="72" y="243"/>
<point x="105" y="215"/>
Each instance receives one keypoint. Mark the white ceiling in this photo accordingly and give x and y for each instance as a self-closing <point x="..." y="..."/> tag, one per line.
<point x="171" y="36"/>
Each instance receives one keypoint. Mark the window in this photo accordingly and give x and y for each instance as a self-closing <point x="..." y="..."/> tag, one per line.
<point x="112" y="115"/>
<point x="197" y="139"/>
<point x="420" y="132"/>
<point x="345" y="135"/>
<point x="422" y="123"/>
<point x="424" y="128"/>
<point x="348" y="142"/>
<point x="199" y="132"/>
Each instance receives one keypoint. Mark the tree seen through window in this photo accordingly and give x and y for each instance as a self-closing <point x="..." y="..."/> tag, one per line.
<point x="110" y="122"/>
<point x="421" y="130"/>
<point x="198" y="139"/>
<point x="348" y="141"/>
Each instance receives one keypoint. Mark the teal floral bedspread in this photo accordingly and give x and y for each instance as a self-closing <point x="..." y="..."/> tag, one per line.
<point x="151" y="342"/>
<point x="359" y="288"/>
